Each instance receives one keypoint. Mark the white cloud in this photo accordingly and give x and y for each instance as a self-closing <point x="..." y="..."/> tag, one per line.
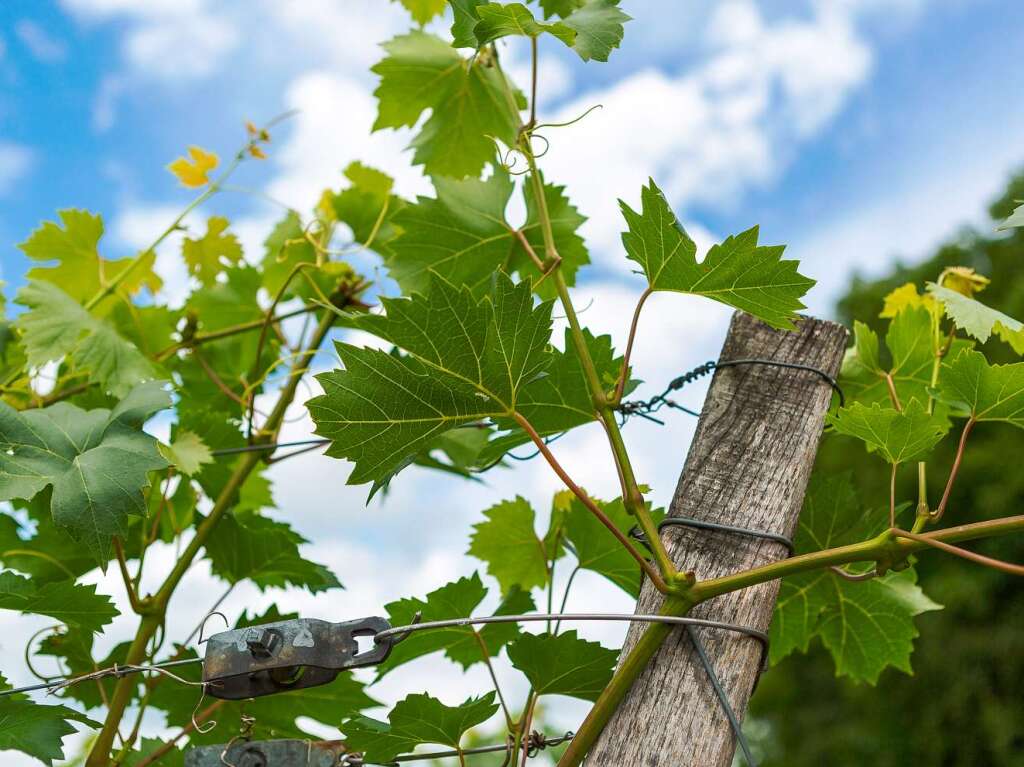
<point x="137" y="225"/>
<point x="104" y="105"/>
<point x="39" y="42"/>
<point x="15" y="161"/>
<point x="166" y="40"/>
<point x="710" y="133"/>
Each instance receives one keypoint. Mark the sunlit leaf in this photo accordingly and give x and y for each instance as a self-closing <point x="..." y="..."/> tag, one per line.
<point x="989" y="392"/>
<point x="977" y="320"/>
<point x="508" y="543"/>
<point x="207" y="256"/>
<point x="57" y="326"/>
<point x="468" y="99"/>
<point x="738" y="272"/>
<point x="898" y="436"/>
<point x="187" y="452"/>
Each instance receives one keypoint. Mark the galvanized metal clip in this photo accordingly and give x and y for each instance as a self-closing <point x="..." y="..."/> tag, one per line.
<point x="288" y="655"/>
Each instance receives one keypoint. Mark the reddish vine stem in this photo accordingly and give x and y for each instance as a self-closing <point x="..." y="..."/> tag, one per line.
<point x="621" y="385"/>
<point x="167" y="747"/>
<point x="586" y="500"/>
<point x="954" y="470"/>
<point x="981" y="559"/>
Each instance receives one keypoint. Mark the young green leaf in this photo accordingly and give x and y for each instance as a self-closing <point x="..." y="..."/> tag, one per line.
<point x="207" y="256"/>
<point x="559" y="7"/>
<point x="464" y="21"/>
<point x="738" y="272"/>
<point x="36" y="729"/>
<point x="463" y="235"/>
<point x="97" y="462"/>
<point x="977" y="320"/>
<point x="416" y="720"/>
<point x="598" y="550"/>
<point x="423" y="11"/>
<point x="66" y="601"/>
<point x="509" y="545"/>
<point x="898" y="436"/>
<point x="74" y="245"/>
<point x="467" y="98"/>
<point x="989" y="392"/>
<point x="498" y="20"/>
<point x="56" y="326"/>
<point x="467" y="361"/>
<point x="563" y="664"/>
<point x="866" y="625"/>
<point x="368" y="207"/>
<point x="598" y="28"/>
<point x="266" y="552"/>
<point x="187" y="452"/>
<point x="593" y="29"/>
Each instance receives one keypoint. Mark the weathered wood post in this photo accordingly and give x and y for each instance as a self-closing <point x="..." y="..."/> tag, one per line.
<point x="748" y="466"/>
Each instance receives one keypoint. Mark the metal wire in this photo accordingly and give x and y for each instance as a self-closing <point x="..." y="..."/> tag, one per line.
<point x="403" y="631"/>
<point x="703" y="524"/>
<point x="645" y="408"/>
<point x="536" y="743"/>
<point x="115" y="670"/>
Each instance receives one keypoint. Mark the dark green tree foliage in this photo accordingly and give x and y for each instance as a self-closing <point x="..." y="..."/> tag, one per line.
<point x="962" y="707"/>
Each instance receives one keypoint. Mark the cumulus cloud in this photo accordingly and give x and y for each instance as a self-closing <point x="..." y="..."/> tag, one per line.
<point x="168" y="40"/>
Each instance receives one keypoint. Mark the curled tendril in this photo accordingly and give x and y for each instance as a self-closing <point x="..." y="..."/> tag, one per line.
<point x="569" y="122"/>
<point x="547" y="144"/>
<point x="56" y="630"/>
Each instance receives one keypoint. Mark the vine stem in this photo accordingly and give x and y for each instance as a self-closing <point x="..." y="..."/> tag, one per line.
<point x="887" y="548"/>
<point x="587" y="501"/>
<point x="954" y="470"/>
<point x="245" y="327"/>
<point x="167" y="747"/>
<point x="99" y="755"/>
<point x="122" y="565"/>
<point x="621" y="385"/>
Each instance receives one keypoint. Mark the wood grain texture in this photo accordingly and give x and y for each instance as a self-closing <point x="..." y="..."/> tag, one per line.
<point x="748" y="465"/>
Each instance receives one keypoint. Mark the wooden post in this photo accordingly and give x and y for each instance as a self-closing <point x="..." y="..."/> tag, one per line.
<point x="748" y="466"/>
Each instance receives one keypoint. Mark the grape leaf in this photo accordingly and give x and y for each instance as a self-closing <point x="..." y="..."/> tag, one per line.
<point x="415" y="720"/>
<point x="978" y="320"/>
<point x="66" y="601"/>
<point x="598" y="28"/>
<point x="97" y="462"/>
<point x="738" y="272"/>
<point x="906" y="296"/>
<point x="74" y="245"/>
<point x="507" y="542"/>
<point x="187" y="452"/>
<point x="50" y="554"/>
<point x="36" y="729"/>
<point x="464" y="20"/>
<point x="1015" y="219"/>
<point x="422" y="11"/>
<point x="56" y="325"/>
<point x="149" y="746"/>
<point x="463" y="235"/>
<point x="908" y="346"/>
<point x="561" y="400"/>
<point x="596" y="549"/>
<point x="266" y="552"/>
<point x="498" y="20"/>
<point x="898" y="436"/>
<point x="207" y="256"/>
<point x="865" y="625"/>
<point x="467" y="361"/>
<point x="559" y="7"/>
<point x="563" y="664"/>
<point x="593" y="30"/>
<point x="368" y="207"/>
<point x="462" y="644"/>
<point x="467" y="98"/>
<point x="989" y="392"/>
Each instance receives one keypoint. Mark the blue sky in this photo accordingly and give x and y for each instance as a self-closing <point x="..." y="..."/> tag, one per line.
<point x="852" y="130"/>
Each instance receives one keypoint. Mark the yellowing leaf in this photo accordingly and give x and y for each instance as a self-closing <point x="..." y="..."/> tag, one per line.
<point x="963" y="279"/>
<point x="194" y="172"/>
<point x="905" y="296"/>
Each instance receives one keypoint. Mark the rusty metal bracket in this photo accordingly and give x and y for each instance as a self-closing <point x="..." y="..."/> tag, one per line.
<point x="268" y="753"/>
<point x="288" y="655"/>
